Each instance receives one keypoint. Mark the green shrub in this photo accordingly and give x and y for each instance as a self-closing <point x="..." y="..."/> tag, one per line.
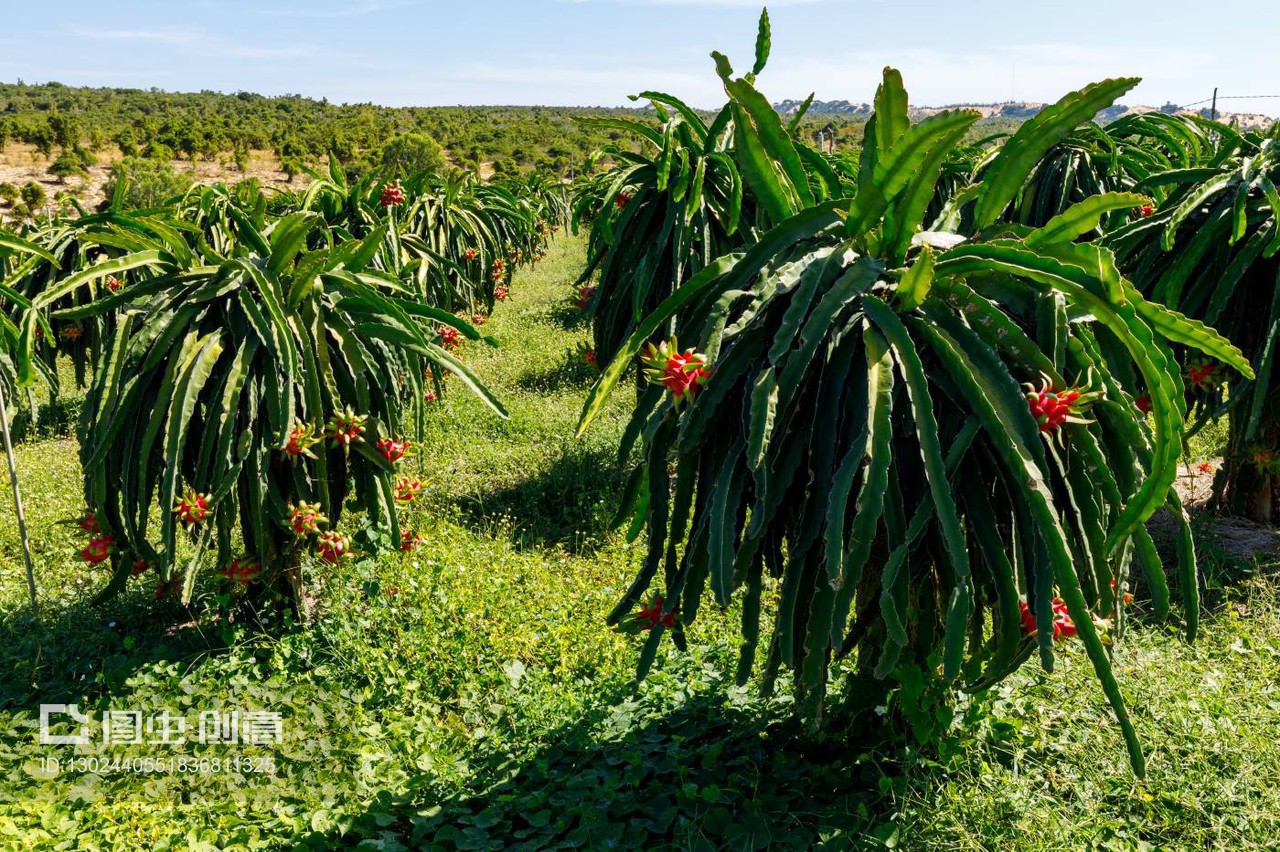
<point x="33" y="194"/>
<point x="410" y="154"/>
<point x="67" y="165"/>
<point x="147" y="182"/>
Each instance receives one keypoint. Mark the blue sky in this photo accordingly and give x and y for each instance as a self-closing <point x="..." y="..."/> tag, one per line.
<point x="593" y="52"/>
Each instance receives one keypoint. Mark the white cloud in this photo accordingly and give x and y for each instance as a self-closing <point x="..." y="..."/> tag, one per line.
<point x="352" y="10"/>
<point x="164" y="36"/>
<point x="202" y="43"/>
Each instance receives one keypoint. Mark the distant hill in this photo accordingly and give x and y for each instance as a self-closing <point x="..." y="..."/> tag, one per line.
<point x="1013" y="110"/>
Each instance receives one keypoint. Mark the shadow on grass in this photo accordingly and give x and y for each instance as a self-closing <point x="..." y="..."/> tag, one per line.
<point x="55" y="420"/>
<point x="568" y="503"/>
<point x="86" y="650"/>
<point x="712" y="770"/>
<point x="571" y="371"/>
<point x="568" y="315"/>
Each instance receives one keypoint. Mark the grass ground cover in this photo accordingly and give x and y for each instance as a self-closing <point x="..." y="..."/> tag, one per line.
<point x="468" y="695"/>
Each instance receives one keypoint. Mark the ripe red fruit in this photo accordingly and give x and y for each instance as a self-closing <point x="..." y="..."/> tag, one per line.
<point x="301" y="440"/>
<point x="1126" y="597"/>
<point x="305" y="518"/>
<point x="1203" y="375"/>
<point x="193" y="507"/>
<point x="407" y="490"/>
<point x="430" y="396"/>
<point x="98" y="550"/>
<point x="393" y="450"/>
<point x="346" y="428"/>
<point x="1204" y="467"/>
<point x="450" y="337"/>
<point x="682" y="373"/>
<point x="590" y="357"/>
<point x="622" y="199"/>
<point x="470" y="254"/>
<point x="140" y="567"/>
<point x="391" y="195"/>
<point x="1145" y="210"/>
<point x="242" y="569"/>
<point x="501" y="293"/>
<point x="1143" y="404"/>
<point x="89" y="523"/>
<point x="332" y="546"/>
<point x="410" y="541"/>
<point x="586" y="293"/>
<point x="479" y="319"/>
<point x="653" y="615"/>
<point x="115" y="285"/>
<point x="1052" y="408"/>
<point x="1063" y="626"/>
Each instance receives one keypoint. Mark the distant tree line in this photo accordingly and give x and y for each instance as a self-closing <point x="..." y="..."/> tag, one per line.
<point x="69" y="124"/>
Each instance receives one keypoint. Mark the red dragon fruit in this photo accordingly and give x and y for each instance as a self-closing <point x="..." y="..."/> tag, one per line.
<point x="586" y="293"/>
<point x="682" y="373"/>
<point x="1051" y="408"/>
<point x="1063" y="626"/>
<point x="242" y="569"/>
<point x="651" y="616"/>
<point x="391" y="195"/>
<point x="408" y="489"/>
<point x="332" y="546"/>
<point x="345" y="428"/>
<point x="301" y="439"/>
<point x="89" y="523"/>
<point x="410" y="541"/>
<point x="393" y="450"/>
<point x="470" y="254"/>
<point x="622" y="199"/>
<point x="1203" y="375"/>
<point x="98" y="550"/>
<point x="193" y="507"/>
<point x="450" y="337"/>
<point x="305" y="518"/>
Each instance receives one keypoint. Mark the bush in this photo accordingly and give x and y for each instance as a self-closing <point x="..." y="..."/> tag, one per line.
<point x="67" y="165"/>
<point x="147" y="182"/>
<point x="410" y="154"/>
<point x="33" y="194"/>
